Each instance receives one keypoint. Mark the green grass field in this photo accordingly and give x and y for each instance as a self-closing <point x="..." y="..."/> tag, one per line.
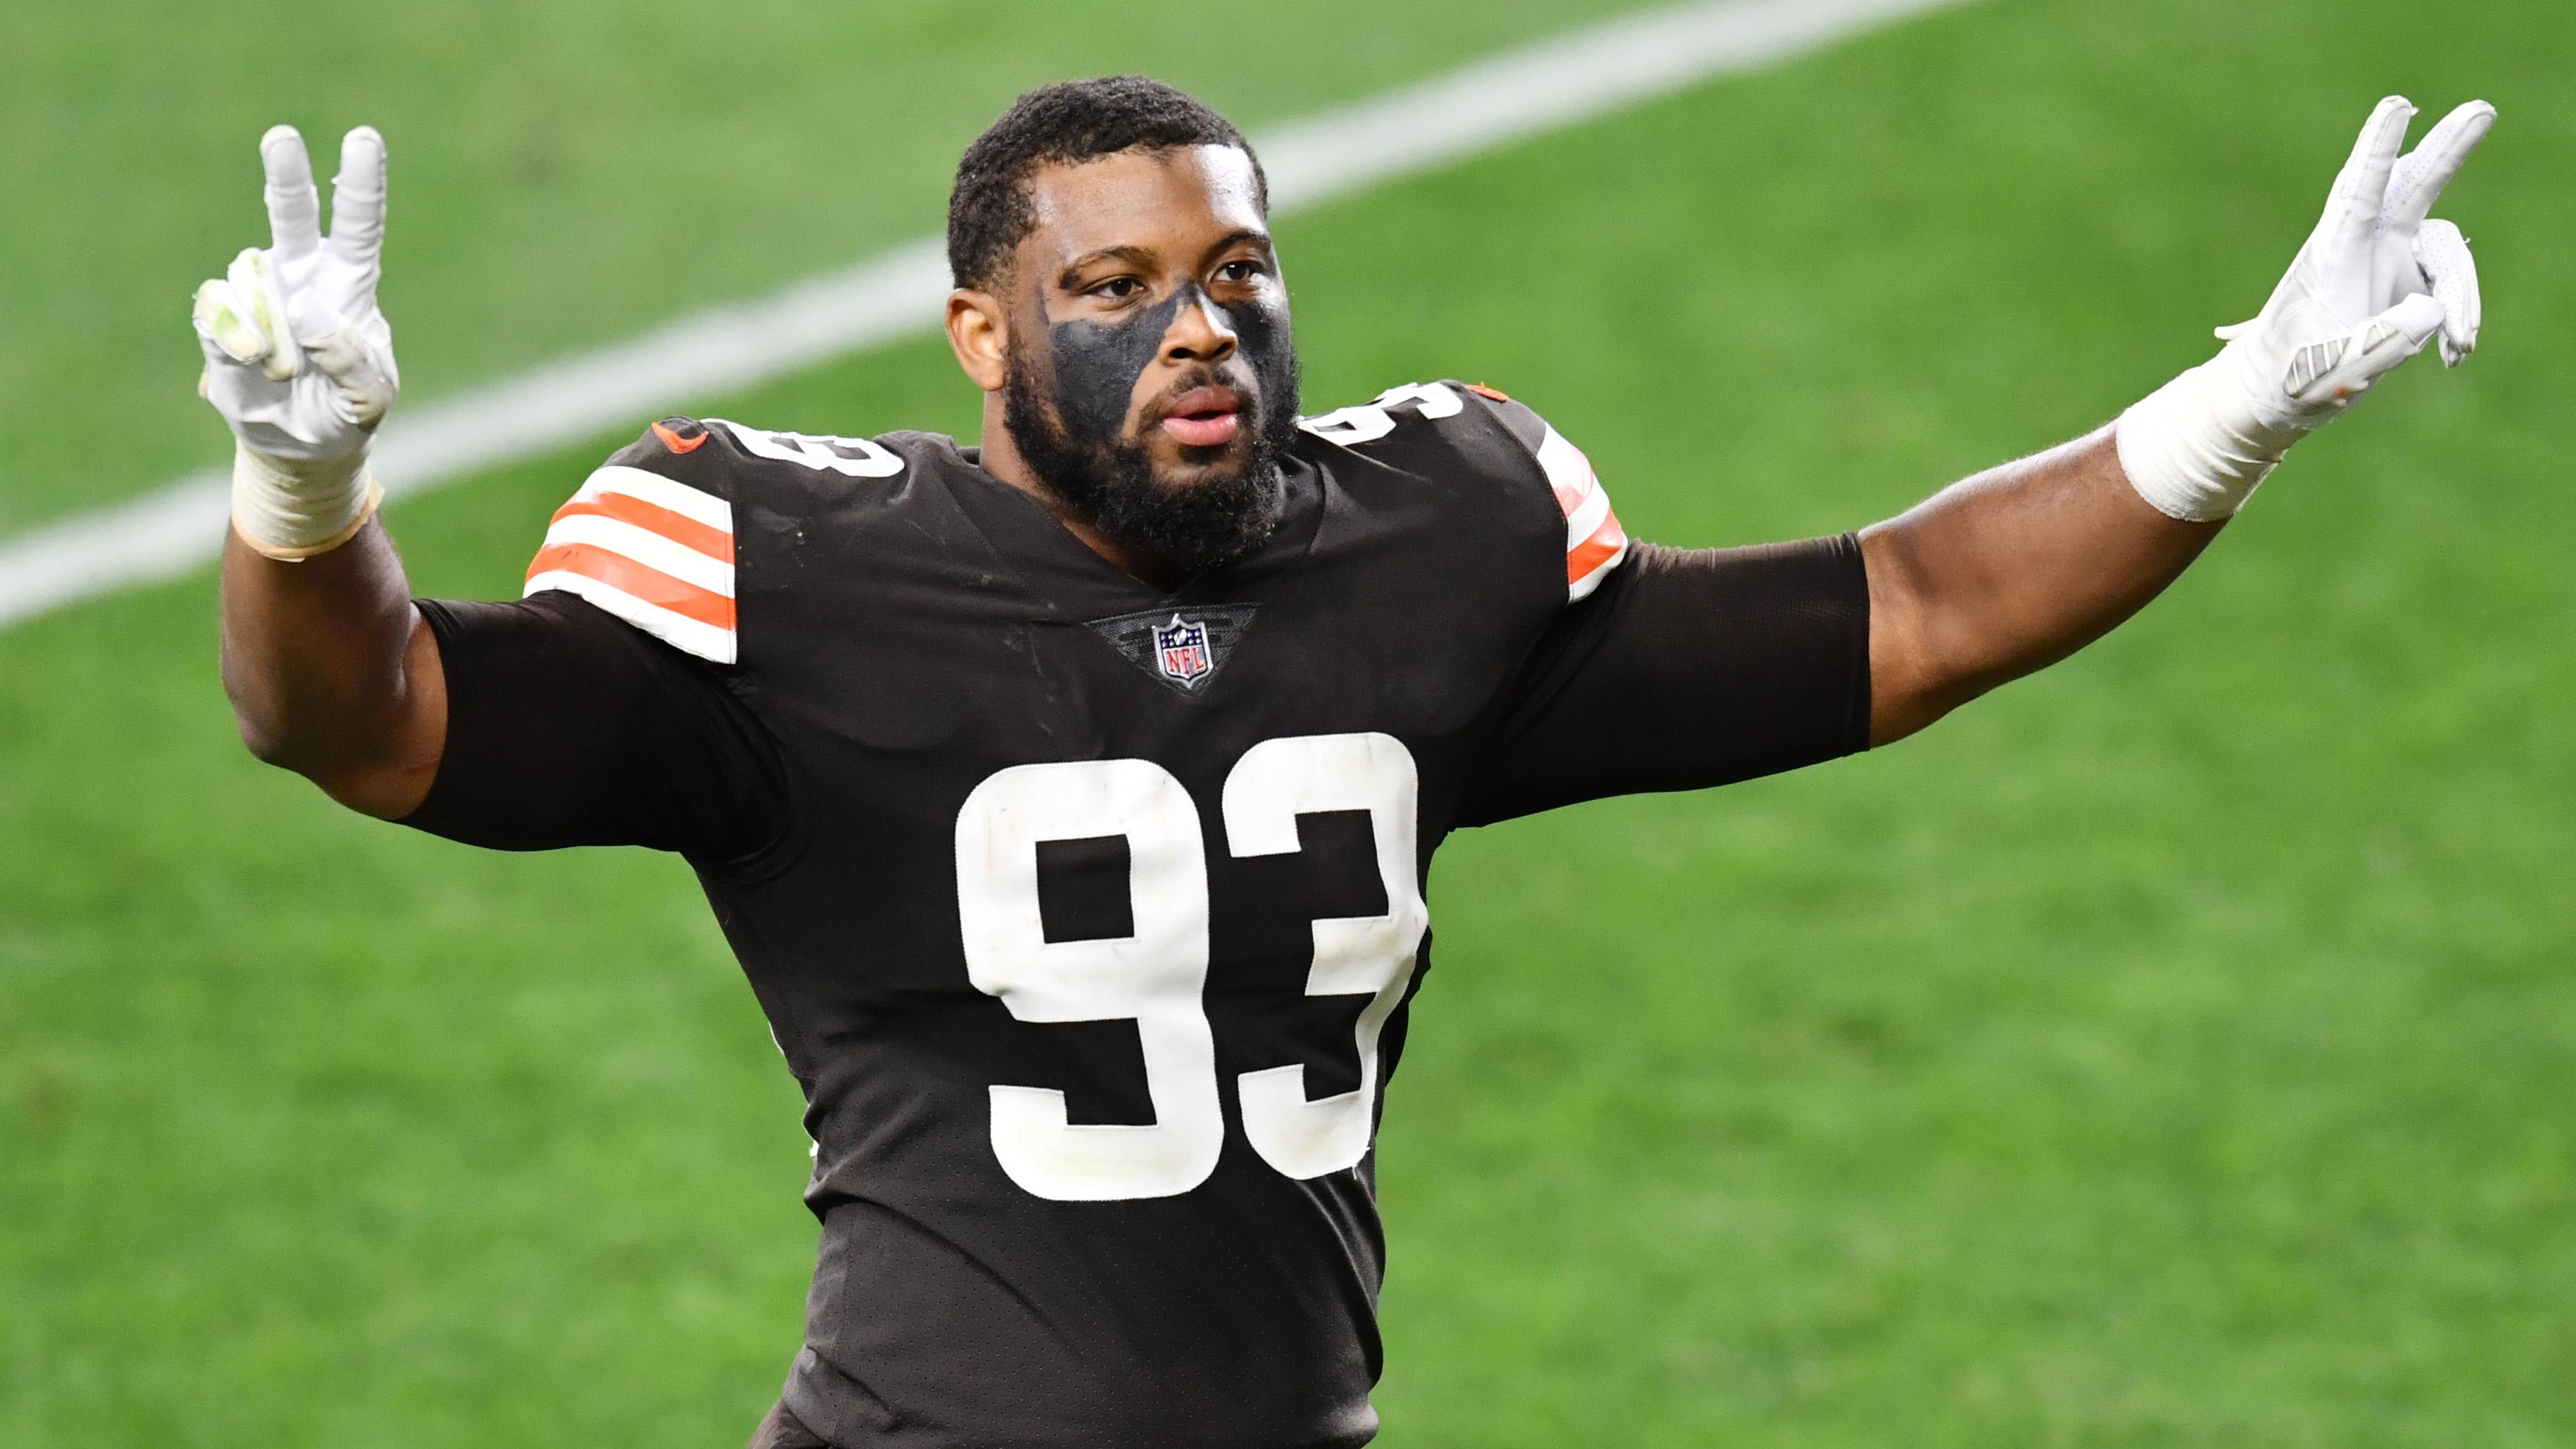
<point x="2178" y="1048"/>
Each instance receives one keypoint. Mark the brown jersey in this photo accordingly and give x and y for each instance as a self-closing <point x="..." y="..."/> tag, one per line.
<point x="1087" y="914"/>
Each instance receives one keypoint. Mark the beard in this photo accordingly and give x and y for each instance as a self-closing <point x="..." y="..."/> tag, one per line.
<point x="1108" y="480"/>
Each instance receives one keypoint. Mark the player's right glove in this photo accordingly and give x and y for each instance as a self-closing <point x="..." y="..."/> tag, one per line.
<point x="2375" y="282"/>
<point x="299" y="359"/>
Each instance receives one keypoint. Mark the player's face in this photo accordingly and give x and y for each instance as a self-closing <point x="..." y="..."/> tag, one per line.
<point x="1153" y="377"/>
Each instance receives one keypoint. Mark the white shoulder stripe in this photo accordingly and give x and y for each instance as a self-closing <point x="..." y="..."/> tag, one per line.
<point x="1568" y="471"/>
<point x="1584" y="520"/>
<point x="645" y="547"/>
<point x="653" y="488"/>
<point x="1595" y="545"/>
<point x="688" y="635"/>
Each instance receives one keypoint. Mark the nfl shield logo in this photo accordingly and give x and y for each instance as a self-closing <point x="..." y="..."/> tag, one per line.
<point x="1181" y="653"/>
<point x="1182" y="650"/>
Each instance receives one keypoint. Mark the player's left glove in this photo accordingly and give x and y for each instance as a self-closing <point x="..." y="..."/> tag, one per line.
<point x="299" y="358"/>
<point x="2375" y="282"/>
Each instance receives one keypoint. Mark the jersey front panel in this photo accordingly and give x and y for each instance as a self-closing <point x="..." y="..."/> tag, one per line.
<point x="1087" y="914"/>
<point x="1013" y="868"/>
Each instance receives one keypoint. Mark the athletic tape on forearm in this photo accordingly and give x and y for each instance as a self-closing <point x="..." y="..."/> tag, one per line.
<point x="292" y="509"/>
<point x="2195" y="449"/>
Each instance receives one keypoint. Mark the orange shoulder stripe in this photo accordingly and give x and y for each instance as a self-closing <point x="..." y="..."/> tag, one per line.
<point x="648" y="584"/>
<point x="679" y="528"/>
<point x="1604" y="545"/>
<point x="675" y="442"/>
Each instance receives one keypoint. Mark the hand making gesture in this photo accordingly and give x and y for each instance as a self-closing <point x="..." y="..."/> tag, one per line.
<point x="299" y="358"/>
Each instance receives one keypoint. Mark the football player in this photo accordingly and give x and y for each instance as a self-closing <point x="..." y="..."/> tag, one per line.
<point x="1068" y="798"/>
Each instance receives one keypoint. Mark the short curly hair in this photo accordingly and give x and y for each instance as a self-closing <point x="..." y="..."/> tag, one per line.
<point x="989" y="211"/>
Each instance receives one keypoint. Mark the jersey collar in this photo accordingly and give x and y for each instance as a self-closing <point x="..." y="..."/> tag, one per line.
<point x="1063" y="572"/>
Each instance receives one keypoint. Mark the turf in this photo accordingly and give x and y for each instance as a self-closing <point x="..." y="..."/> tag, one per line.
<point x="562" y="173"/>
<point x="2173" y="1049"/>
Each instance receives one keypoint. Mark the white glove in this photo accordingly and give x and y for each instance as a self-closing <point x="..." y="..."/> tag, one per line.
<point x="299" y="359"/>
<point x="2375" y="281"/>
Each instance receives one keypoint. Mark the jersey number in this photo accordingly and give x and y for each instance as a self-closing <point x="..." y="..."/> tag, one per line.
<point x="850" y="457"/>
<point x="1157" y="976"/>
<point x="1371" y="421"/>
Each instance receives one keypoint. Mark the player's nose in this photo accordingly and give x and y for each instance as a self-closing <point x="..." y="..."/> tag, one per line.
<point x="1200" y="331"/>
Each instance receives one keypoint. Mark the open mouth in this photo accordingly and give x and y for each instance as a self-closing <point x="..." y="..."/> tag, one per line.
<point x="1204" y="417"/>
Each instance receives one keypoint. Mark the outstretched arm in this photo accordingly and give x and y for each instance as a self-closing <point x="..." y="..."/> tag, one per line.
<point x="2008" y="572"/>
<point x="331" y="671"/>
<point x="2024" y="564"/>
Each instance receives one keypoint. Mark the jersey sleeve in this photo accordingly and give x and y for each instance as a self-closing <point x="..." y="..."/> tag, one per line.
<point x="1686" y="668"/>
<point x="1595" y="545"/>
<point x="601" y="709"/>
<point x="1472" y="434"/>
<point x="649" y="538"/>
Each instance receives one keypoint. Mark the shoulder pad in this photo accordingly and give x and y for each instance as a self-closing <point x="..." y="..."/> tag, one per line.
<point x="847" y="457"/>
<point x="649" y="537"/>
<point x="1446" y="425"/>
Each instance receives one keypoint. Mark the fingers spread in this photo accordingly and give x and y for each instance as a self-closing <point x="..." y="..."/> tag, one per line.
<point x="2452" y="274"/>
<point x="358" y="200"/>
<point x="2362" y="186"/>
<point x="294" y="208"/>
<point x="2419" y="179"/>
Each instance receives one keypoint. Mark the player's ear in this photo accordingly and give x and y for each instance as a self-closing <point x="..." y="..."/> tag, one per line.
<point x="980" y="334"/>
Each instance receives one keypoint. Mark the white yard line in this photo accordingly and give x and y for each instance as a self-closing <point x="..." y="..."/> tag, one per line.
<point x="1491" y="103"/>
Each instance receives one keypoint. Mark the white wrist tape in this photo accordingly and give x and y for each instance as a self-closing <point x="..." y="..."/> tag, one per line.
<point x="2195" y="448"/>
<point x="292" y="508"/>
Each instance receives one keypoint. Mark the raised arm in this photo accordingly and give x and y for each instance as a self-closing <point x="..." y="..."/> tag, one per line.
<point x="331" y="671"/>
<point x="2021" y="565"/>
<point x="333" y="674"/>
<point x="2008" y="572"/>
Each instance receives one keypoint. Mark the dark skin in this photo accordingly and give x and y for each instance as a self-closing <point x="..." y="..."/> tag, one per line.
<point x="1117" y="237"/>
<point x="333" y="674"/>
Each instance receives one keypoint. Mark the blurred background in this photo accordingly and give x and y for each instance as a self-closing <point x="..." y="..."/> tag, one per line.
<point x="2177" y="1048"/>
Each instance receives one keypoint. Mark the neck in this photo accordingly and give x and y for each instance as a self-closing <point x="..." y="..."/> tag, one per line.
<point x="1001" y="458"/>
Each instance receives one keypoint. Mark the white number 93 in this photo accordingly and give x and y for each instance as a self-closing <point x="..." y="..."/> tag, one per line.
<point x="1157" y="975"/>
